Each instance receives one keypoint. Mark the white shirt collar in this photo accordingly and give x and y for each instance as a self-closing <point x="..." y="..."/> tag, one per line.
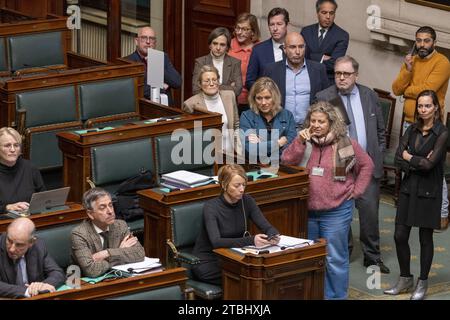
<point x="98" y="230"/>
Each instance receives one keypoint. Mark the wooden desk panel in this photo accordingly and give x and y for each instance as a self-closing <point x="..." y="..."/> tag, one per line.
<point x="283" y="201"/>
<point x="108" y="289"/>
<point x="75" y="213"/>
<point x="76" y="148"/>
<point x="290" y="274"/>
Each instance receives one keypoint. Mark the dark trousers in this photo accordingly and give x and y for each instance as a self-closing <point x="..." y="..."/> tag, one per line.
<point x="369" y="231"/>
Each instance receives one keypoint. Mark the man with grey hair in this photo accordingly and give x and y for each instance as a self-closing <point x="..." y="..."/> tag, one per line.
<point x="26" y="267"/>
<point x="101" y="241"/>
<point x="367" y="127"/>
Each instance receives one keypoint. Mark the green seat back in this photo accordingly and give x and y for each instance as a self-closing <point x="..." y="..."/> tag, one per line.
<point x="114" y="163"/>
<point x="386" y="106"/>
<point x="35" y="50"/>
<point x="59" y="243"/>
<point x="168" y="293"/>
<point x="170" y="157"/>
<point x="105" y="98"/>
<point x="3" y="62"/>
<point x="187" y="221"/>
<point x="49" y="106"/>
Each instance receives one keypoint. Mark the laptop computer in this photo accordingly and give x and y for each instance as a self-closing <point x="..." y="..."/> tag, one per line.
<point x="45" y="201"/>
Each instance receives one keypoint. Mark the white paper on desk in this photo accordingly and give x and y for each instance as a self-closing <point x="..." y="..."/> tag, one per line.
<point x="155" y="68"/>
<point x="286" y="243"/>
<point x="139" y="267"/>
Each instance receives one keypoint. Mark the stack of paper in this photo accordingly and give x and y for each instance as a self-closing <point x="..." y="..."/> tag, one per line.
<point x="149" y="264"/>
<point x="185" y="179"/>
<point x="285" y="243"/>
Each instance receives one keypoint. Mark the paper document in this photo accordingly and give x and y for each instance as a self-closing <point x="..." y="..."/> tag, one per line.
<point x="286" y="243"/>
<point x="185" y="177"/>
<point x="139" y="267"/>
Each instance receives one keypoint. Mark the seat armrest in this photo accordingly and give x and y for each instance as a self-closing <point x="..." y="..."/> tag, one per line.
<point x="188" y="258"/>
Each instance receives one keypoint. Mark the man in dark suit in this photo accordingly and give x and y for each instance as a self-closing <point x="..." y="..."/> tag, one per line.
<point x="146" y="38"/>
<point x="268" y="51"/>
<point x="297" y="78"/>
<point x="367" y="127"/>
<point x="26" y="267"/>
<point x="325" y="41"/>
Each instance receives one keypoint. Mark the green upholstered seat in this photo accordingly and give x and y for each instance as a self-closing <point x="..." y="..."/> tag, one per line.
<point x="169" y="158"/>
<point x="58" y="241"/>
<point x="48" y="106"/>
<point x="187" y="221"/>
<point x="47" y="112"/>
<point x="35" y="50"/>
<point x="3" y="61"/>
<point x="168" y="293"/>
<point x="106" y="98"/>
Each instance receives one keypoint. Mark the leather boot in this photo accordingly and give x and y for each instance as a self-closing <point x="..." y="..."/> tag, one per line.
<point x="420" y="291"/>
<point x="404" y="284"/>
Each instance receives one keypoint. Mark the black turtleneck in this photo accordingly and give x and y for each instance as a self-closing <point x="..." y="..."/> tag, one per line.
<point x="224" y="225"/>
<point x="19" y="182"/>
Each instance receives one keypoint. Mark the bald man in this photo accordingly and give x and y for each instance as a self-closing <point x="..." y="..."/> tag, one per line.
<point x="26" y="268"/>
<point x="298" y="79"/>
<point x="146" y="38"/>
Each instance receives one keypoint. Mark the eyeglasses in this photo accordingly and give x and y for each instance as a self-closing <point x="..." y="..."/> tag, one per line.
<point x="339" y="74"/>
<point x="244" y="30"/>
<point x="210" y="81"/>
<point x="147" y="39"/>
<point x="11" y="145"/>
<point x="427" y="106"/>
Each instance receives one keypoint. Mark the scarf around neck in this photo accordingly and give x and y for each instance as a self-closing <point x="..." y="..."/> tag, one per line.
<point x="343" y="154"/>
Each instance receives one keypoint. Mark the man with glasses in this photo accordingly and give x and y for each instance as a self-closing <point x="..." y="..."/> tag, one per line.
<point x="325" y="41"/>
<point x="268" y="51"/>
<point x="146" y="38"/>
<point x="424" y="69"/>
<point x="298" y="79"/>
<point x="366" y="125"/>
<point x="26" y="267"/>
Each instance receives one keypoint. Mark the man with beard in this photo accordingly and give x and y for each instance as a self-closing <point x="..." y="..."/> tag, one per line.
<point x="102" y="242"/>
<point x="298" y="79"/>
<point x="423" y="69"/>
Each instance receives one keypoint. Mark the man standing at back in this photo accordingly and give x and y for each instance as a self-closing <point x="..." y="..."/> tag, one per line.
<point x="297" y="78"/>
<point x="270" y="50"/>
<point x="26" y="268"/>
<point x="146" y="38"/>
<point x="325" y="41"/>
<point x="367" y="127"/>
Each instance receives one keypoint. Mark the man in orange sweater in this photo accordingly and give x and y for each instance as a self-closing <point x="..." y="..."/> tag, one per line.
<point x="424" y="69"/>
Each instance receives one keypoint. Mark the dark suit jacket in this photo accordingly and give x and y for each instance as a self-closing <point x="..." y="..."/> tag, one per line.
<point x="317" y="77"/>
<point x="171" y="76"/>
<point x="262" y="54"/>
<point x="373" y="117"/>
<point x="40" y="268"/>
<point x="231" y="73"/>
<point x="334" y="44"/>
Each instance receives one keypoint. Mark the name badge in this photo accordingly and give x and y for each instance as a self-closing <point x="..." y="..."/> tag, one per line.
<point x="317" y="171"/>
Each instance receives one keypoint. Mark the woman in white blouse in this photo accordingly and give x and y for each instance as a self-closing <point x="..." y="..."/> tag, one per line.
<point x="212" y="99"/>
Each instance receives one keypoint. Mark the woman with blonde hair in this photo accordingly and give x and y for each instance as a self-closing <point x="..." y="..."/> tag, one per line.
<point x="225" y="224"/>
<point x="339" y="172"/>
<point x="266" y="126"/>
<point x="19" y="179"/>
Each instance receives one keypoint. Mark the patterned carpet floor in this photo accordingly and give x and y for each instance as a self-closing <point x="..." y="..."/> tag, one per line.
<point x="365" y="286"/>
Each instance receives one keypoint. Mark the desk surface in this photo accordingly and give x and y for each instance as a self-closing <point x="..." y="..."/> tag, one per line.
<point x="107" y="289"/>
<point x="75" y="213"/>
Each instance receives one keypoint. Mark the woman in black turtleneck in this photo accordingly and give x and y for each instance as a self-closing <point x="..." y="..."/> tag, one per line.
<point x="225" y="224"/>
<point x="19" y="179"/>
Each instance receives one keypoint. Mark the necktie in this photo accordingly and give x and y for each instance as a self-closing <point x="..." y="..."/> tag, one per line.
<point x="282" y="51"/>
<point x="352" y="126"/>
<point x="20" y="269"/>
<point x="322" y="31"/>
<point x="104" y="235"/>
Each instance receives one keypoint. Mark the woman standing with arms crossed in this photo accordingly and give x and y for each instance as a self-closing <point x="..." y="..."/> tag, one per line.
<point x="421" y="155"/>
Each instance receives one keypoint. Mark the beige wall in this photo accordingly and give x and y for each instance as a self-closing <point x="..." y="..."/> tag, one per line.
<point x="379" y="61"/>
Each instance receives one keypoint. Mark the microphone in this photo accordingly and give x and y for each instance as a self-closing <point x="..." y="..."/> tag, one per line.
<point x="25" y="65"/>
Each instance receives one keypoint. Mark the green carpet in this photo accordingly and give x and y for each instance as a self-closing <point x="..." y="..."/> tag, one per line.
<point x="439" y="278"/>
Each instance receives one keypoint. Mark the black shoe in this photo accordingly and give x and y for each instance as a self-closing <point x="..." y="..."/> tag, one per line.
<point x="379" y="263"/>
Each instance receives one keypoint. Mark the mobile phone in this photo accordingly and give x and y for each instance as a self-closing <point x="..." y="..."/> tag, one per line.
<point x="413" y="50"/>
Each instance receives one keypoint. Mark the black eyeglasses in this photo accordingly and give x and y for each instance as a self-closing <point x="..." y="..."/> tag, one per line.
<point x="339" y="74"/>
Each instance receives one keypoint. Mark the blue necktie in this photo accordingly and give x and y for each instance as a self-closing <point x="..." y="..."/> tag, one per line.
<point x="352" y="126"/>
<point x="322" y="31"/>
<point x="20" y="270"/>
